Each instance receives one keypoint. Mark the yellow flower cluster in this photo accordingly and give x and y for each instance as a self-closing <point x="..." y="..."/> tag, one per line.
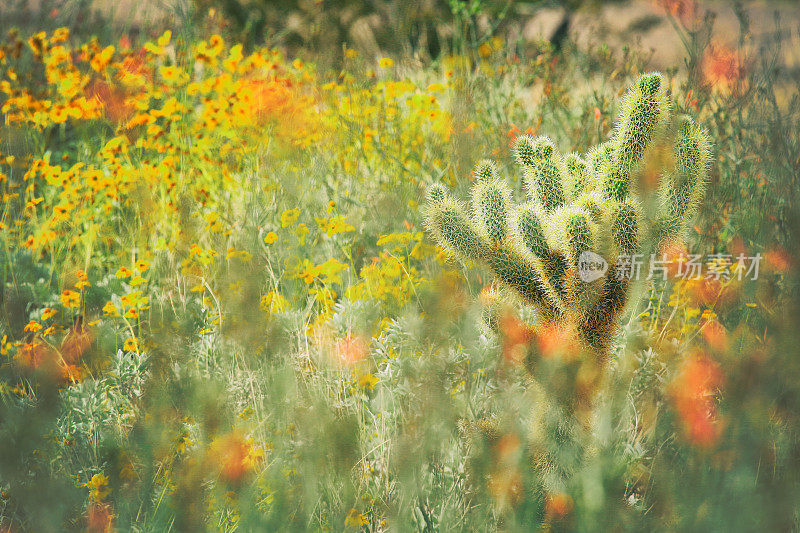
<point x="184" y="126"/>
<point x="388" y="123"/>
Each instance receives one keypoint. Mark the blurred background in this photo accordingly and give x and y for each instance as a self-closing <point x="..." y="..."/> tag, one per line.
<point x="426" y="29"/>
<point x="219" y="308"/>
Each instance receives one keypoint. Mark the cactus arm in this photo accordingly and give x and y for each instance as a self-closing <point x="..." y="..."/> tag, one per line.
<point x="544" y="171"/>
<point x="682" y="189"/>
<point x="644" y="117"/>
<point x="485" y="170"/>
<point x="491" y="200"/>
<point x="577" y="176"/>
<point x="598" y="326"/>
<point x="447" y="221"/>
<point x="625" y="224"/>
<point x="516" y="268"/>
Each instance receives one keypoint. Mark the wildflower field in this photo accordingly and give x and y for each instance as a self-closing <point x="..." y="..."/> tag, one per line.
<point x="254" y="279"/>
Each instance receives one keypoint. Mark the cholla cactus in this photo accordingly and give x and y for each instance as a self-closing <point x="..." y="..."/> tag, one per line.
<point x="581" y="208"/>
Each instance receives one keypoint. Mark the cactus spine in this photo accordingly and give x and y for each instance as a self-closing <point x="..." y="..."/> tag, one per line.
<point x="579" y="205"/>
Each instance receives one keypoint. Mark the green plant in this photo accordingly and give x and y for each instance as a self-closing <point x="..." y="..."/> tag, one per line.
<point x="629" y="196"/>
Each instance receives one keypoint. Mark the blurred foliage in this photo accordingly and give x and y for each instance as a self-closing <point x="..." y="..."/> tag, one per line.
<point x="425" y="28"/>
<point x="219" y="310"/>
<point x="389" y="26"/>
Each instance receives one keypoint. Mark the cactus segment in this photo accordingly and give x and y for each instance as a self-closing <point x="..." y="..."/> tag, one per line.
<point x="516" y="268"/>
<point x="577" y="176"/>
<point x="683" y="187"/>
<point x="485" y="170"/>
<point x="447" y="221"/>
<point x="437" y="193"/>
<point x="580" y="236"/>
<point x="593" y="203"/>
<point x="491" y="201"/>
<point x="644" y="118"/>
<point x="528" y="149"/>
<point x="544" y="180"/>
<point x="625" y="226"/>
<point x="692" y="156"/>
<point x="527" y="227"/>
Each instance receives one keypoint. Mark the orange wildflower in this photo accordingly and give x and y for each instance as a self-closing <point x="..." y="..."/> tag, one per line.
<point x="515" y="132"/>
<point x="558" y="506"/>
<point x="778" y="259"/>
<point x="723" y="67"/>
<point x="234" y="456"/>
<point x="692" y="393"/>
<point x="684" y="10"/>
<point x="505" y="482"/>
<point x="715" y="335"/>
<point x="705" y="292"/>
<point x="674" y="254"/>
<point x="32" y="326"/>
<point x="559" y="339"/>
<point x="351" y="350"/>
<point x="70" y="299"/>
<point x="517" y="336"/>
<point x="111" y="98"/>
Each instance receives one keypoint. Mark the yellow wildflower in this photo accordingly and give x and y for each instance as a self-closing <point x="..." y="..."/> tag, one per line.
<point x="355" y="519"/>
<point x="83" y="280"/>
<point x="33" y="326"/>
<point x="98" y="486"/>
<point x="289" y="217"/>
<point x="335" y="225"/>
<point x="274" y="302"/>
<point x="130" y="345"/>
<point x="110" y="309"/>
<point x="70" y="299"/>
<point x="100" y="61"/>
<point x="367" y="381"/>
<point x="301" y="231"/>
